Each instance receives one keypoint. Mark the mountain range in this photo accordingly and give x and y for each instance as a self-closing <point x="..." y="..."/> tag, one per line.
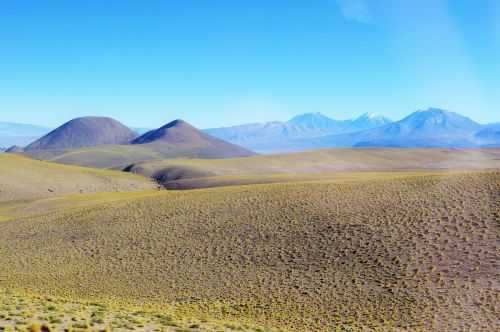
<point x="424" y="128"/>
<point x="277" y="136"/>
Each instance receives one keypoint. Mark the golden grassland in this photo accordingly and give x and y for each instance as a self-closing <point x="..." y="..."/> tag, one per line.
<point x="20" y="208"/>
<point x="336" y="177"/>
<point x="192" y="173"/>
<point x="394" y="253"/>
<point x="23" y="178"/>
<point x="34" y="313"/>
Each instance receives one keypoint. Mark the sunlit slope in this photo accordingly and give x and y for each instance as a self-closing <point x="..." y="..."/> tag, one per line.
<point x="22" y="311"/>
<point x="393" y="254"/>
<point x="188" y="173"/>
<point x="23" y="178"/>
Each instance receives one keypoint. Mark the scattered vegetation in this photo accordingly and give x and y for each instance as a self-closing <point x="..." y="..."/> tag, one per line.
<point x="411" y="253"/>
<point x="24" y="179"/>
<point x="31" y="313"/>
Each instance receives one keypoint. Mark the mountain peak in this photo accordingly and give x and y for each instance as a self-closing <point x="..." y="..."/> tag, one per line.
<point x="84" y="132"/>
<point x="369" y="115"/>
<point x="313" y="120"/>
<point x="435" y="121"/>
<point x="308" y="116"/>
<point x="176" y="122"/>
<point x="174" y="131"/>
<point x="439" y="113"/>
<point x="370" y="120"/>
<point x="432" y="111"/>
<point x="180" y="135"/>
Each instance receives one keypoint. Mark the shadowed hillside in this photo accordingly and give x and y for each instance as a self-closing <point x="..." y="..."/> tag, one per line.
<point x="84" y="132"/>
<point x="193" y="173"/>
<point x="14" y="149"/>
<point x="408" y="254"/>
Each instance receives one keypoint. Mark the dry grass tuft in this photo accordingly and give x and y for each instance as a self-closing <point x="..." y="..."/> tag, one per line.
<point x="411" y="253"/>
<point x="29" y="313"/>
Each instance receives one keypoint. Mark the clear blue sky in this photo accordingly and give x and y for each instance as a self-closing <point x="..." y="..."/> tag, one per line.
<point x="223" y="62"/>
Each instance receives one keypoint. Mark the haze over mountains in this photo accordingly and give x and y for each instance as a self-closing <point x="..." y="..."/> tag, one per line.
<point x="276" y="136"/>
<point x="19" y="133"/>
<point x="425" y="128"/>
<point x="428" y="128"/>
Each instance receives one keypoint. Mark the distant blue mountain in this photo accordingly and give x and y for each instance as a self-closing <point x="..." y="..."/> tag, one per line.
<point x="432" y="127"/>
<point x="368" y="121"/>
<point x="315" y="121"/>
<point x="279" y="136"/>
<point x="426" y="128"/>
<point x="21" y="129"/>
<point x="141" y="130"/>
<point x="489" y="136"/>
<point x="429" y="128"/>
<point x="19" y="133"/>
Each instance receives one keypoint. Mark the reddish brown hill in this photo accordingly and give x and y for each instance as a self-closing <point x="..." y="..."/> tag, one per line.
<point x="179" y="135"/>
<point x="84" y="132"/>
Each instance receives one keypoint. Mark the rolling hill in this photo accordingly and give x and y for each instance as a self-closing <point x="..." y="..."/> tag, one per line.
<point x="387" y="253"/>
<point x="311" y="165"/>
<point x="23" y="178"/>
<point x="84" y="132"/>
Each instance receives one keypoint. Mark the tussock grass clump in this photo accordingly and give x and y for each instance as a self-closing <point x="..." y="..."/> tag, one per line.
<point x="79" y="317"/>
<point x="415" y="253"/>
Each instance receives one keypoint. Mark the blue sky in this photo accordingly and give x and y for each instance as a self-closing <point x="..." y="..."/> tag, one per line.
<point x="224" y="62"/>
